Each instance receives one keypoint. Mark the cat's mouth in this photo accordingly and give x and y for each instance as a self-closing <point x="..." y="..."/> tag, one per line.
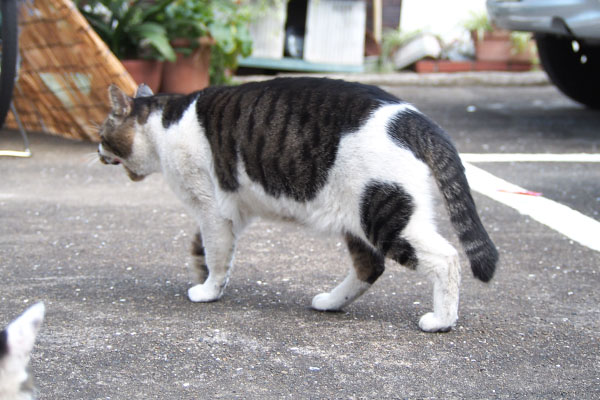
<point x="108" y="160"/>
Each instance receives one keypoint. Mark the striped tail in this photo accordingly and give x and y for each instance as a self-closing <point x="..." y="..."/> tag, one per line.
<point x="432" y="145"/>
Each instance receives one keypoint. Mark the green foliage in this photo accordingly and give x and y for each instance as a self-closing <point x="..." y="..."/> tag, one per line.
<point x="521" y="41"/>
<point x="393" y="39"/>
<point x="189" y="20"/>
<point x="131" y="29"/>
<point x="225" y="21"/>
<point x="478" y="22"/>
<point x="146" y="28"/>
<point x="229" y="29"/>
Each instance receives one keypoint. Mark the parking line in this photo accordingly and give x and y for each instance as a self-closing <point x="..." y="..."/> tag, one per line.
<point x="569" y="222"/>
<point x="523" y="157"/>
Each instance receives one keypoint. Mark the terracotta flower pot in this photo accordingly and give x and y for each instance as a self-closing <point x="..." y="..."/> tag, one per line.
<point x="145" y="71"/>
<point x="188" y="73"/>
<point x="493" y="46"/>
<point x="497" y="46"/>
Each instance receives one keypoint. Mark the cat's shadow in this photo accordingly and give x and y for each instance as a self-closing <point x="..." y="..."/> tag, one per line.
<point x="280" y="304"/>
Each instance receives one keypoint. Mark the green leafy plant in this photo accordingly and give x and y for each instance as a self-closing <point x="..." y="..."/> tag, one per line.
<point x="479" y="23"/>
<point x="521" y="41"/>
<point x="232" y="38"/>
<point x="131" y="29"/>
<point x="147" y="28"/>
<point x="393" y="39"/>
<point x="187" y="21"/>
<point x="224" y="21"/>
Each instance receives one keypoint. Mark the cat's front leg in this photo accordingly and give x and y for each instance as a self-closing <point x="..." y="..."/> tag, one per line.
<point x="217" y="242"/>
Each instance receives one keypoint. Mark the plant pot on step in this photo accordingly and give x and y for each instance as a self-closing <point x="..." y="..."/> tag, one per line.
<point x="189" y="72"/>
<point x="492" y="46"/>
<point x="498" y="46"/>
<point x="145" y="71"/>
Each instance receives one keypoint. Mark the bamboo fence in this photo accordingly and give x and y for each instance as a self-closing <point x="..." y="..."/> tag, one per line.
<point x="65" y="70"/>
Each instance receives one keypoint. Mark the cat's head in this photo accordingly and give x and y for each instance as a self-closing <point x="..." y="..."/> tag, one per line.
<point x="122" y="134"/>
<point x="16" y="343"/>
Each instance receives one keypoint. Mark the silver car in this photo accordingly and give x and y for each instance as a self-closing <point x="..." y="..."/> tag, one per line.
<point x="567" y="33"/>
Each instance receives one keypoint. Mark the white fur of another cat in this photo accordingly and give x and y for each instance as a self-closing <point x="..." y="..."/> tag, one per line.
<point x="20" y="337"/>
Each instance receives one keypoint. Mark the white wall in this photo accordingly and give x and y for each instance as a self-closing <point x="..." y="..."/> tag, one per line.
<point x="440" y="17"/>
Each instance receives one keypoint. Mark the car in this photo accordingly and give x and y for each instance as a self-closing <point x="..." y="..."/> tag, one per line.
<point x="567" y="33"/>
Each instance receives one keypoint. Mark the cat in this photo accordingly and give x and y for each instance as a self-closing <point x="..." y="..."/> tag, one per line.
<point x="342" y="158"/>
<point x="16" y="343"/>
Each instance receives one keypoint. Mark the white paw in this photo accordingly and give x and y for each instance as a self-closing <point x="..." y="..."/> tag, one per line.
<point x="203" y="294"/>
<point x="324" y="302"/>
<point x="430" y="323"/>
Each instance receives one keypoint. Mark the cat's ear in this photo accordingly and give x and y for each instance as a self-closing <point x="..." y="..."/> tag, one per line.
<point x="143" y="91"/>
<point x="21" y="333"/>
<point x="120" y="102"/>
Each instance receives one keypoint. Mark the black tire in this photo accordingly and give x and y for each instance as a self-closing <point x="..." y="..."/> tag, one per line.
<point x="563" y="64"/>
<point x="9" y="56"/>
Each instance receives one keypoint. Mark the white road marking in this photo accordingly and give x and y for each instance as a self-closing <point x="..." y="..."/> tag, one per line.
<point x="559" y="217"/>
<point x="522" y="157"/>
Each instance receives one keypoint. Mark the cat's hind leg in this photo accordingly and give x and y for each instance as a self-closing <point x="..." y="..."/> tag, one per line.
<point x="367" y="266"/>
<point x="400" y="226"/>
<point x="199" y="258"/>
<point x="431" y="255"/>
<point x="439" y="262"/>
<point x="218" y="243"/>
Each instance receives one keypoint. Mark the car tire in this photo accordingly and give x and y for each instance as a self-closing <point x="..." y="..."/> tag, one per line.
<point x="573" y="67"/>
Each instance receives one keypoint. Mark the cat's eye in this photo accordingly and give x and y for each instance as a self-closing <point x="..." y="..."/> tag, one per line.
<point x="107" y="147"/>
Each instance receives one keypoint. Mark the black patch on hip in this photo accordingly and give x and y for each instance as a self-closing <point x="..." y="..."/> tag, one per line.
<point x="385" y="210"/>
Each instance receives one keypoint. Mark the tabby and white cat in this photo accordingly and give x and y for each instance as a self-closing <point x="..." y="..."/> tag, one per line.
<point x="16" y="343"/>
<point x="342" y="158"/>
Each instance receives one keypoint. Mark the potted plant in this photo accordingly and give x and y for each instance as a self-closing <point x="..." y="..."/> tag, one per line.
<point x="148" y="30"/>
<point x="186" y="23"/>
<point x="134" y="33"/>
<point x="229" y="29"/>
<point x="202" y="31"/>
<point x="499" y="45"/>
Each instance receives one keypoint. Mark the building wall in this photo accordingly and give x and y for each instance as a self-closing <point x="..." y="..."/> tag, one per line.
<point x="441" y="17"/>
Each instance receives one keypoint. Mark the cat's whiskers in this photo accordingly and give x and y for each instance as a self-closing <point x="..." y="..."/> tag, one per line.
<point x="91" y="158"/>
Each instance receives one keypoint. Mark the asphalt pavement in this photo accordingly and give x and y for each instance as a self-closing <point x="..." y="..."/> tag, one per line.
<point x="110" y="258"/>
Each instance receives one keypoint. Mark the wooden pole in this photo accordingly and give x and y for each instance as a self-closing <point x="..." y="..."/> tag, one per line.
<point x="377" y="16"/>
